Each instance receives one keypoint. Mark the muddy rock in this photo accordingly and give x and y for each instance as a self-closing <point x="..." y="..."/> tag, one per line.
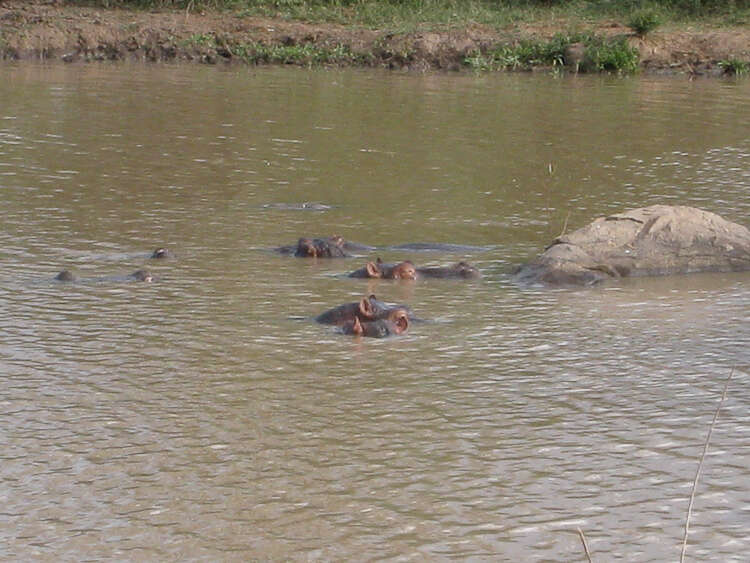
<point x="651" y="241"/>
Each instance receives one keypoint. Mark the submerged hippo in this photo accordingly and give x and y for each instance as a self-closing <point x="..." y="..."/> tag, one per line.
<point x="459" y="270"/>
<point x="366" y="309"/>
<point x="402" y="271"/>
<point x="331" y="247"/>
<point x="304" y="206"/>
<point x="397" y="322"/>
<point x="161" y="253"/>
<point x="138" y="275"/>
<point x="320" y="248"/>
<point x="336" y="246"/>
<point x="66" y="276"/>
<point x="650" y="241"/>
<point x="407" y="271"/>
<point x="437" y="247"/>
<point x="142" y="275"/>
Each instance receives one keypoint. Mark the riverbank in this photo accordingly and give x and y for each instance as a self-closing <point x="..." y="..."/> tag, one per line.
<point x="31" y="29"/>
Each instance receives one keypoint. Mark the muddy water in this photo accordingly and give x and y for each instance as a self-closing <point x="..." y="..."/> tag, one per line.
<point x="204" y="416"/>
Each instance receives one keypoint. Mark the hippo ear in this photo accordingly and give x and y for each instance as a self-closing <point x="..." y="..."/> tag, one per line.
<point x="401" y="323"/>
<point x="373" y="269"/>
<point x="365" y="307"/>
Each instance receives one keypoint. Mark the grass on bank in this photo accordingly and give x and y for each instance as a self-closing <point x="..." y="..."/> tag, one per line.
<point x="600" y="54"/>
<point x="405" y="16"/>
<point x="260" y="53"/>
<point x="735" y="67"/>
<point x="402" y="15"/>
<point x="644" y="21"/>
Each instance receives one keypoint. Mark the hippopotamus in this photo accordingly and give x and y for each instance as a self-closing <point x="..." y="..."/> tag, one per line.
<point x="331" y="247"/>
<point x="459" y="270"/>
<point x="397" y="322"/>
<point x="142" y="275"/>
<point x="66" y="276"/>
<point x="161" y="253"/>
<point x="366" y="309"/>
<point x="320" y="248"/>
<point x="304" y="206"/>
<point x="138" y="275"/>
<point x="402" y="271"/>
<point x="437" y="247"/>
<point x="407" y="271"/>
<point x="649" y="241"/>
<point x="335" y="246"/>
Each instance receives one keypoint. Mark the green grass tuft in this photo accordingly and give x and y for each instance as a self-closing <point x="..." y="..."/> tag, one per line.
<point x="601" y="54"/>
<point x="644" y="21"/>
<point x="734" y="66"/>
<point x="260" y="53"/>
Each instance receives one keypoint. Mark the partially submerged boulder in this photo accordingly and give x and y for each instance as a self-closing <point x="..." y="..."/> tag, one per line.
<point x="650" y="241"/>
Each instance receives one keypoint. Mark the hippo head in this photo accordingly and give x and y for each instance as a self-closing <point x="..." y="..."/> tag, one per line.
<point x="404" y="271"/>
<point x="306" y="247"/>
<point x="143" y="275"/>
<point x="160" y="253"/>
<point x="337" y="240"/>
<point x="397" y="322"/>
<point x="466" y="270"/>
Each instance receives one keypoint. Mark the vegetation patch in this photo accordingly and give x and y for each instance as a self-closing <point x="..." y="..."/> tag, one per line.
<point x="255" y="52"/>
<point x="303" y="55"/>
<point x="597" y="54"/>
<point x="734" y="66"/>
<point x="644" y="21"/>
<point x="406" y="15"/>
<point x="592" y="35"/>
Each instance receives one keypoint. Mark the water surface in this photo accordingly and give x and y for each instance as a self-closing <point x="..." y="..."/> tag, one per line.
<point x="205" y="416"/>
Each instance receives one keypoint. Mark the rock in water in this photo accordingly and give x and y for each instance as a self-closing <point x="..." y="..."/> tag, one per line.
<point x="650" y="241"/>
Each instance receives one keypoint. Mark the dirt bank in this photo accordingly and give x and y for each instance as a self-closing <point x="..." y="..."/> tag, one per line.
<point x="51" y="30"/>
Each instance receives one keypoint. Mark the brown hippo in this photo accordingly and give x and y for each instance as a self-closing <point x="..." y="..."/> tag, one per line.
<point x="407" y="271"/>
<point x="366" y="309"/>
<point x="460" y="270"/>
<point x="650" y="241"/>
<point x="331" y="247"/>
<point x="378" y="269"/>
<point x="397" y="322"/>
<point x="320" y="248"/>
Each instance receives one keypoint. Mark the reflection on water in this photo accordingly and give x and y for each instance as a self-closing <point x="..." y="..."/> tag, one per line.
<point x="206" y="416"/>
